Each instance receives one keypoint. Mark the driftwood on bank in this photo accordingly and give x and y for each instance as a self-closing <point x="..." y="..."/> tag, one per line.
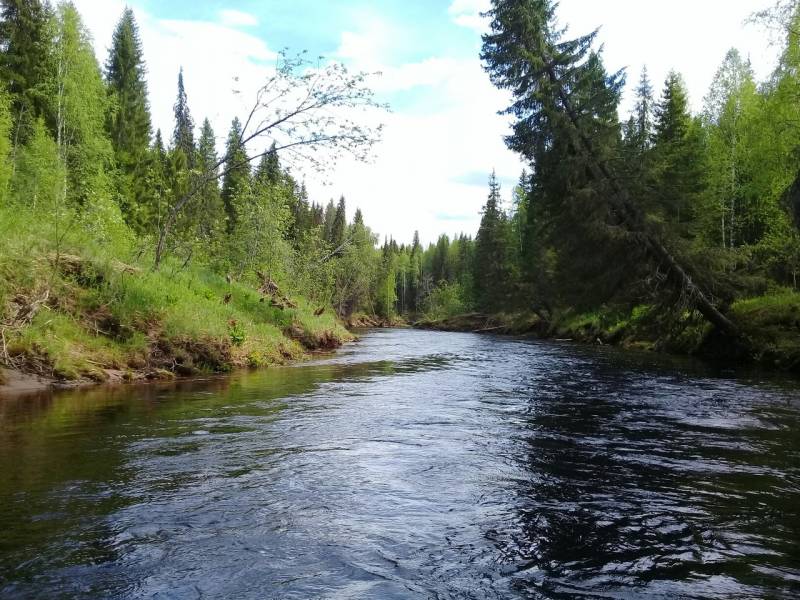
<point x="270" y="290"/>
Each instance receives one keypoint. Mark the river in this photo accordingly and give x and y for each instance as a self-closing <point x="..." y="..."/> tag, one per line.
<point x="409" y="465"/>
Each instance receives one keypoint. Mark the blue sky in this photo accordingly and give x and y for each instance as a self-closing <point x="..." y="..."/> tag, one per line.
<point x="443" y="136"/>
<point x="315" y="25"/>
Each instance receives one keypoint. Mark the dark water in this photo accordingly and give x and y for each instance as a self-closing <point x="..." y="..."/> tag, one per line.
<point x="411" y="465"/>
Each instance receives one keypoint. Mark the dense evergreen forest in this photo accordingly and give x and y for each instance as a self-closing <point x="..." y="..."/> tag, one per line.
<point x="680" y="223"/>
<point x="128" y="248"/>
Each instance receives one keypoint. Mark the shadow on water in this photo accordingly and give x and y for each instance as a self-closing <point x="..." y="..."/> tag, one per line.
<point x="693" y="492"/>
<point x="412" y="464"/>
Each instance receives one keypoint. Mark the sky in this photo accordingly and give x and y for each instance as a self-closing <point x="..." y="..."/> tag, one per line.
<point x="443" y="135"/>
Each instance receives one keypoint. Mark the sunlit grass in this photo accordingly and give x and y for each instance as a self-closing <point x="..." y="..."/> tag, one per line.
<point x="106" y="308"/>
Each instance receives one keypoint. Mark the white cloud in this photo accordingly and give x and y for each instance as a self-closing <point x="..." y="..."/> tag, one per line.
<point x="429" y="153"/>
<point x="690" y="36"/>
<point x="467" y="13"/>
<point x="460" y="7"/>
<point x="237" y="18"/>
<point x="417" y="181"/>
<point x="223" y="66"/>
<point x="367" y="45"/>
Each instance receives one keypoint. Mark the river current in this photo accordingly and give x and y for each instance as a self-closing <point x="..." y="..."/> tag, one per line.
<point x="410" y="465"/>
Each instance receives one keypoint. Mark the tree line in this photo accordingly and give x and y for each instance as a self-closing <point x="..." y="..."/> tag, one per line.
<point x="679" y="211"/>
<point x="80" y="156"/>
<point x="685" y="212"/>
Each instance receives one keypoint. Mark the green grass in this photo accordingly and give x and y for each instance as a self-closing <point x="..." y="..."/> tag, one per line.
<point x="772" y="322"/>
<point x="781" y="308"/>
<point x="105" y="309"/>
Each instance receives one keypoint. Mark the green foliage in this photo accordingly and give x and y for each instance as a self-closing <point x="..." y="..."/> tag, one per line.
<point x="269" y="169"/>
<point x="6" y="158"/>
<point x="773" y="320"/>
<point x="128" y="118"/>
<point x="183" y="135"/>
<point x="357" y="271"/>
<point x="39" y="174"/>
<point x="339" y="224"/>
<point x="26" y="39"/>
<point x="493" y="261"/>
<point x="720" y="191"/>
<point x="75" y="159"/>
<point x="236" y="179"/>
<point x="678" y="161"/>
<point x="258" y="238"/>
<point x="237" y="333"/>
<point x="710" y="192"/>
<point x="446" y="300"/>
<point x="108" y="311"/>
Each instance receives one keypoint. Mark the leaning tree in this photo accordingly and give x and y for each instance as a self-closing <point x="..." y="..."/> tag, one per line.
<point x="313" y="114"/>
<point x="564" y="101"/>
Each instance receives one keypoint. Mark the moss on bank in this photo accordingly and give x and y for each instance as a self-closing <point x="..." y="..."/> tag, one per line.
<point x="77" y="315"/>
<point x="772" y="323"/>
<point x="770" y="326"/>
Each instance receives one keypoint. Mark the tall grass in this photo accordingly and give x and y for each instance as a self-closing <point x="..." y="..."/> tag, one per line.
<point x="106" y="308"/>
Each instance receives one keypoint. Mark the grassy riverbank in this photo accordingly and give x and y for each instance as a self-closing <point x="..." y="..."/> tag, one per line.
<point x="90" y="312"/>
<point x="770" y="326"/>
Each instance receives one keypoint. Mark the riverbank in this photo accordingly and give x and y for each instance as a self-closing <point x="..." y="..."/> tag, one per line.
<point x="69" y="319"/>
<point x="770" y="325"/>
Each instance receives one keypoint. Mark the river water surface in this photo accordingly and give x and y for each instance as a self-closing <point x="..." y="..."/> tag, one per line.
<point x="409" y="465"/>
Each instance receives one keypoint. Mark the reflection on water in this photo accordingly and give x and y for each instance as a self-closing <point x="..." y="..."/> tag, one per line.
<point x="410" y="465"/>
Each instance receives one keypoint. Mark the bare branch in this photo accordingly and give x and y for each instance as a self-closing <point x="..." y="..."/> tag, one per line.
<point x="303" y="110"/>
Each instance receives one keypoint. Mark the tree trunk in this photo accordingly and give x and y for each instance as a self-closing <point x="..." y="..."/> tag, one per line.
<point x="629" y="215"/>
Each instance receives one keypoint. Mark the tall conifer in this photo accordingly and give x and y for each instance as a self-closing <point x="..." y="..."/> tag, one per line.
<point x="25" y="40"/>
<point x="339" y="225"/>
<point x="183" y="135"/>
<point x="237" y="173"/>
<point x="491" y="262"/>
<point x="129" y="122"/>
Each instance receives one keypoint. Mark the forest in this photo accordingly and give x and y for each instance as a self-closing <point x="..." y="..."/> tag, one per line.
<point x="664" y="227"/>
<point x="132" y="251"/>
<point x="146" y="253"/>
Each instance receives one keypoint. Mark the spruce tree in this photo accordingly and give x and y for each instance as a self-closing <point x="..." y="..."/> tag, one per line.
<point x="129" y="120"/>
<point x="339" y="225"/>
<point x="209" y="205"/>
<point x="317" y="216"/>
<point x="25" y="43"/>
<point x="183" y="135"/>
<point x="327" y="221"/>
<point x="158" y="185"/>
<point x="491" y="262"/>
<point x="643" y="111"/>
<point x="415" y="275"/>
<point x="269" y="170"/>
<point x="526" y="53"/>
<point x="301" y="218"/>
<point x="237" y="174"/>
<point x="678" y="156"/>
<point x="566" y="125"/>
